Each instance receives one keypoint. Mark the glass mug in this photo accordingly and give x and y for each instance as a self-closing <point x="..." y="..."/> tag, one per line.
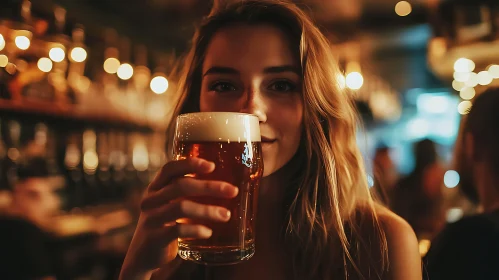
<point x="232" y="141"/>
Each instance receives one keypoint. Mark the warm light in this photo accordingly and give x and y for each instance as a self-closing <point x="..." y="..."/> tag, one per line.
<point x="11" y="68"/>
<point x="89" y="140"/>
<point x="111" y="65"/>
<point x="461" y="76"/>
<point x="403" y="8"/>
<point x="72" y="157"/>
<point x="484" y="78"/>
<point x="140" y="158"/>
<point x="21" y="65"/>
<point x="354" y="80"/>
<point x="464" y="107"/>
<point x="90" y="161"/>
<point x="141" y="77"/>
<point x="4" y="60"/>
<point x="424" y="246"/>
<point x="2" y="42"/>
<point x="13" y="154"/>
<point x="57" y="54"/>
<point x="457" y="85"/>
<point x="78" y="54"/>
<point x="451" y="179"/>
<point x="159" y="84"/>
<point x="494" y="71"/>
<point x="125" y="71"/>
<point x="22" y="42"/>
<point x="467" y="93"/>
<point x="44" y="64"/>
<point x="464" y="65"/>
<point x="341" y="81"/>
<point x="83" y="83"/>
<point x="472" y="80"/>
<point x="454" y="215"/>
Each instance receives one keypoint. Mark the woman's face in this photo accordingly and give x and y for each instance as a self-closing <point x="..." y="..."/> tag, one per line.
<point x="251" y="69"/>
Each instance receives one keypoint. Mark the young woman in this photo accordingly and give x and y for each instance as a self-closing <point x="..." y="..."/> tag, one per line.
<point x="469" y="248"/>
<point x="316" y="219"/>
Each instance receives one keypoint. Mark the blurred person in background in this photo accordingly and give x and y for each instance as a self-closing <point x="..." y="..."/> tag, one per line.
<point x="469" y="248"/>
<point x="418" y="197"/>
<point x="26" y="247"/>
<point x="316" y="218"/>
<point x="385" y="174"/>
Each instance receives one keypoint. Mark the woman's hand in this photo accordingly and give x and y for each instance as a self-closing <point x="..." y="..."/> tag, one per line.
<point x="164" y="203"/>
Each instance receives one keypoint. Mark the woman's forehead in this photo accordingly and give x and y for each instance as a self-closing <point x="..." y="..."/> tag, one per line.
<point x="249" y="45"/>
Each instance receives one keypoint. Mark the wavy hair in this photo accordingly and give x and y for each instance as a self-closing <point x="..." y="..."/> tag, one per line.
<point x="323" y="220"/>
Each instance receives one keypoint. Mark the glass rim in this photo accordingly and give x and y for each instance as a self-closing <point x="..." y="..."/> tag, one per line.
<point x="217" y="112"/>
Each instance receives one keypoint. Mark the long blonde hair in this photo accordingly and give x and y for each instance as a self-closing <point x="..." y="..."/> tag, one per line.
<point x="323" y="221"/>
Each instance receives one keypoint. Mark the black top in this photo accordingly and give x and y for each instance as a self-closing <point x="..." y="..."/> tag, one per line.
<point x="24" y="252"/>
<point x="467" y="249"/>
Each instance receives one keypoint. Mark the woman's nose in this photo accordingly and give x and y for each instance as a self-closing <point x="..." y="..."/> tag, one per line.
<point x="256" y="104"/>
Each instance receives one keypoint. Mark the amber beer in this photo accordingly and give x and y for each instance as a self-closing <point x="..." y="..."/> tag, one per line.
<point x="232" y="142"/>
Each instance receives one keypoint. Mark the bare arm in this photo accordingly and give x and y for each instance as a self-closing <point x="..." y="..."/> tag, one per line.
<point x="403" y="250"/>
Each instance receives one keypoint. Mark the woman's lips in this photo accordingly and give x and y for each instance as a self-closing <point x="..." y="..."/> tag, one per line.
<point x="267" y="140"/>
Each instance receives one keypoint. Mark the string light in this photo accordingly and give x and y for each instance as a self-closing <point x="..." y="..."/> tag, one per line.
<point x="403" y="8"/>
<point x="44" y="64"/>
<point x="11" y="68"/>
<point x="159" y="84"/>
<point x="484" y="78"/>
<point x="457" y="85"/>
<point x="354" y="80"/>
<point x="90" y="161"/>
<point x="467" y="93"/>
<point x="464" y="107"/>
<point x="78" y="54"/>
<point x="57" y="54"/>
<point x="111" y="65"/>
<point x="451" y="179"/>
<point x="125" y="71"/>
<point x="464" y="65"/>
<point x="2" y="42"/>
<point x="4" y="60"/>
<point x="472" y="80"/>
<point x="461" y="76"/>
<point x="494" y="71"/>
<point x="22" y="42"/>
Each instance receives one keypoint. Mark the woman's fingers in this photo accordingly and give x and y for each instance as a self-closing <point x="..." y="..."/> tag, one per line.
<point x="187" y="231"/>
<point x="174" y="169"/>
<point x="186" y="209"/>
<point x="186" y="187"/>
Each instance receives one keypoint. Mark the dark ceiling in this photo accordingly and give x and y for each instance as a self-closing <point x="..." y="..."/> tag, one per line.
<point x="169" y="24"/>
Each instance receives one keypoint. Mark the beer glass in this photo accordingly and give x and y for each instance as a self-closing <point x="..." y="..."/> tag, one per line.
<point x="232" y="142"/>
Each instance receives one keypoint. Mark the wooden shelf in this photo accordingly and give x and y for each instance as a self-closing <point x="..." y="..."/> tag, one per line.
<point x="69" y="113"/>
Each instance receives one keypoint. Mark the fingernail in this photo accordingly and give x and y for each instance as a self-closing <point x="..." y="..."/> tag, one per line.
<point x="224" y="213"/>
<point x="207" y="165"/>
<point x="230" y="190"/>
<point x="206" y="232"/>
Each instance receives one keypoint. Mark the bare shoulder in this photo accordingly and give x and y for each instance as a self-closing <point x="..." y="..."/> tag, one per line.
<point x="396" y="229"/>
<point x="403" y="250"/>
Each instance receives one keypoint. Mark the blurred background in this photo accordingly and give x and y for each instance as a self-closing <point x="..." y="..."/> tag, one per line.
<point x="85" y="86"/>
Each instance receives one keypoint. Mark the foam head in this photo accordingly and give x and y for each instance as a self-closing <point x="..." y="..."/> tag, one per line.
<point x="217" y="127"/>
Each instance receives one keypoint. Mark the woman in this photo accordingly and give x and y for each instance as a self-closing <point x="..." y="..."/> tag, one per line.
<point x="316" y="218"/>
<point x="469" y="248"/>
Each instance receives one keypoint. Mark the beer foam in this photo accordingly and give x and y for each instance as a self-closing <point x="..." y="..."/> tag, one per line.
<point x="218" y="127"/>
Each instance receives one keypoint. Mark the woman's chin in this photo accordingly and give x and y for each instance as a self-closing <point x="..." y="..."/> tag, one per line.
<point x="270" y="168"/>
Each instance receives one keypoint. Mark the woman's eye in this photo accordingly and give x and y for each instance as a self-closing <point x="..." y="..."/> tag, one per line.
<point x="222" y="87"/>
<point x="282" y="86"/>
